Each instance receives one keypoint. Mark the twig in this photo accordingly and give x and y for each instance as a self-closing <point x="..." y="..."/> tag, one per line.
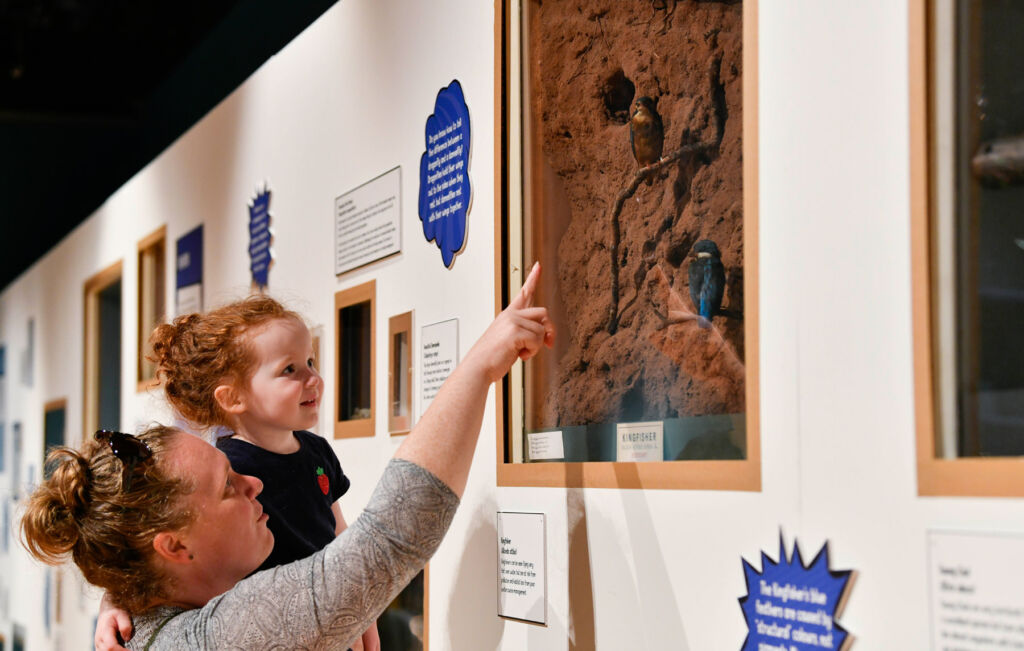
<point x="629" y="191"/>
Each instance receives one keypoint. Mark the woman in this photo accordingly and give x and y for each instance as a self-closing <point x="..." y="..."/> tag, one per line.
<point x="170" y="531"/>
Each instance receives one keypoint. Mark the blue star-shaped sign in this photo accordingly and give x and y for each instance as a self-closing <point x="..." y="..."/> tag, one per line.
<point x="790" y="606"/>
<point x="260" y="254"/>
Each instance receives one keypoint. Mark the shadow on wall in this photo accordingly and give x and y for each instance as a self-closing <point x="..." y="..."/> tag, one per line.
<point x="581" y="584"/>
<point x="473" y="621"/>
<point x="661" y="615"/>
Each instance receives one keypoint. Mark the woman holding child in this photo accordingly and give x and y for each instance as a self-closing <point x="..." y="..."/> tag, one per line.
<point x="165" y="525"/>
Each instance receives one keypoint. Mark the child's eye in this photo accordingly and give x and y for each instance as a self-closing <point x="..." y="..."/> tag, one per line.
<point x="289" y="369"/>
<point x="309" y="362"/>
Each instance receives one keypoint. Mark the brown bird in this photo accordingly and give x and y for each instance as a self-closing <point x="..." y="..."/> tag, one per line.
<point x="646" y="133"/>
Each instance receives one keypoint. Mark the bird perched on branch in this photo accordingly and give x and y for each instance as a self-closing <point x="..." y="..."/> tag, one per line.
<point x="707" y="280"/>
<point x="646" y="133"/>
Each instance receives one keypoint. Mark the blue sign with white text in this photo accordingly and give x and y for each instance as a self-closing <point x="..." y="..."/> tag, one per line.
<point x="445" y="192"/>
<point x="259" y="240"/>
<point x="792" y="607"/>
<point x="189" y="260"/>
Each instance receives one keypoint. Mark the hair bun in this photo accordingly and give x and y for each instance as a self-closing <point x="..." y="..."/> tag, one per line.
<point x="53" y="520"/>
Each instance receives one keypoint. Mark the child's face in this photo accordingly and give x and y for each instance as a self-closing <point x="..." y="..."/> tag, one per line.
<point x="284" y="390"/>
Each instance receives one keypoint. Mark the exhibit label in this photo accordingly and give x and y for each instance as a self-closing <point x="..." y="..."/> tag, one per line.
<point x="368" y="222"/>
<point x="793" y="607"/>
<point x="974" y="584"/>
<point x="445" y="192"/>
<point x="544" y="446"/>
<point x="439" y="353"/>
<point x="260" y="238"/>
<point x="522" y="571"/>
<point x="640" y="441"/>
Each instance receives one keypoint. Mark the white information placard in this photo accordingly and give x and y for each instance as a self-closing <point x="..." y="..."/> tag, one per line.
<point x="368" y="222"/>
<point x="439" y="353"/>
<point x="544" y="446"/>
<point x="189" y="299"/>
<point x="640" y="441"/>
<point x="522" y="572"/>
<point x="974" y="585"/>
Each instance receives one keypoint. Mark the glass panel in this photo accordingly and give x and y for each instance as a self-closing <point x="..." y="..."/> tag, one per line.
<point x="354" y="351"/>
<point x="152" y="303"/>
<point x="633" y="203"/>
<point x="982" y="400"/>
<point x="400" y="375"/>
<point x="53" y="434"/>
<point x="110" y="357"/>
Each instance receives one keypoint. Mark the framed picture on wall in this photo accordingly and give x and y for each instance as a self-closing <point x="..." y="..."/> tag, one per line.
<point x="967" y="194"/>
<point x="630" y="174"/>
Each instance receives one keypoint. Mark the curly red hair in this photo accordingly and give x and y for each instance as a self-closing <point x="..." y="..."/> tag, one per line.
<point x="198" y="352"/>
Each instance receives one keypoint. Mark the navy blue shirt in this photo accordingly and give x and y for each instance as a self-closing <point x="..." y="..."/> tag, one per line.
<point x="298" y="491"/>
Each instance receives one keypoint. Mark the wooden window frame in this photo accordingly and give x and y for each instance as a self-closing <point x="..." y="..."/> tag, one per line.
<point x="90" y="367"/>
<point x="740" y="475"/>
<point x="52" y="405"/>
<point x="150" y="289"/>
<point x="398" y="425"/>
<point x="974" y="476"/>
<point x="362" y="427"/>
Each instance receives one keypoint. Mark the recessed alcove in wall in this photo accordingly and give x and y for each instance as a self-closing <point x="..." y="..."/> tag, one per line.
<point x="967" y="191"/>
<point x="400" y="374"/>
<point x="101" y="402"/>
<point x="55" y="416"/>
<point x="355" y="377"/>
<point x="652" y="382"/>
<point x="152" y="300"/>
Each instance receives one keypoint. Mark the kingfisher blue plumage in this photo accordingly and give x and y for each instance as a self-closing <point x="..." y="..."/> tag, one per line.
<point x="646" y="133"/>
<point x="707" y="280"/>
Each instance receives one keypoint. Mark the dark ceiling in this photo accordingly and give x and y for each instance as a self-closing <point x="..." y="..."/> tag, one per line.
<point x="92" y="90"/>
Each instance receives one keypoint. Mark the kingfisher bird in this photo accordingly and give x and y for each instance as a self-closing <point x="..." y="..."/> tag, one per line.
<point x="707" y="280"/>
<point x="646" y="133"/>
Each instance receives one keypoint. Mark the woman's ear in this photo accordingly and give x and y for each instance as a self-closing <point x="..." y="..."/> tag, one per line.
<point x="229" y="399"/>
<point x="171" y="548"/>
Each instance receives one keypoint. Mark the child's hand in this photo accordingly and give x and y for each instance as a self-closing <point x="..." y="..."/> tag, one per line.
<point x="113" y="627"/>
<point x="371" y="639"/>
<point x="517" y="333"/>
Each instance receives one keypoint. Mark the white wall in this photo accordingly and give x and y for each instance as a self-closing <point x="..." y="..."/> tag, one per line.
<point x="650" y="569"/>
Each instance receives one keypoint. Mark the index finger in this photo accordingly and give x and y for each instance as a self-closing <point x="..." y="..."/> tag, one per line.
<point x="525" y="296"/>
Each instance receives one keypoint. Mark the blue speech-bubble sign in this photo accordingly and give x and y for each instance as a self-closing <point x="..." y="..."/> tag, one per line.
<point x="445" y="193"/>
<point x="793" y="607"/>
<point x="260" y="255"/>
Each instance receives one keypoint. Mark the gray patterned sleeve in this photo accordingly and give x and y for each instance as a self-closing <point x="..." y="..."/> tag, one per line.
<point x="327" y="600"/>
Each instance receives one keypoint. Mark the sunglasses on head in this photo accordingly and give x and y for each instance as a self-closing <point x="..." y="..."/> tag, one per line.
<point x="129" y="449"/>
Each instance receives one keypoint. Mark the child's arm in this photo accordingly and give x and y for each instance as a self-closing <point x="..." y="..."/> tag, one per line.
<point x="370" y="641"/>
<point x="113" y="626"/>
<point x="339" y="520"/>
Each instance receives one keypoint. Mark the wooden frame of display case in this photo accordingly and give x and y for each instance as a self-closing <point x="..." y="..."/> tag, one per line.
<point x="152" y="300"/>
<point x="398" y="324"/>
<point x="355" y="427"/>
<point x="90" y="350"/>
<point x="973" y="476"/>
<point x="745" y="474"/>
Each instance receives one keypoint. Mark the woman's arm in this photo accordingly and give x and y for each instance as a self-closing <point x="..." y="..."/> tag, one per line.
<point x="329" y="599"/>
<point x="444" y="439"/>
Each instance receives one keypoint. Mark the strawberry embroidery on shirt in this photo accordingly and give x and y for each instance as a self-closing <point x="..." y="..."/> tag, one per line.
<point x="321" y="478"/>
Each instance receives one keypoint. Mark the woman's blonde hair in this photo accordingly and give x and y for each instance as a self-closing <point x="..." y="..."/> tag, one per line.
<point x="82" y="511"/>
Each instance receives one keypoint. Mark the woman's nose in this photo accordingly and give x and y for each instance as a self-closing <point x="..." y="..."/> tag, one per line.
<point x="255" y="485"/>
